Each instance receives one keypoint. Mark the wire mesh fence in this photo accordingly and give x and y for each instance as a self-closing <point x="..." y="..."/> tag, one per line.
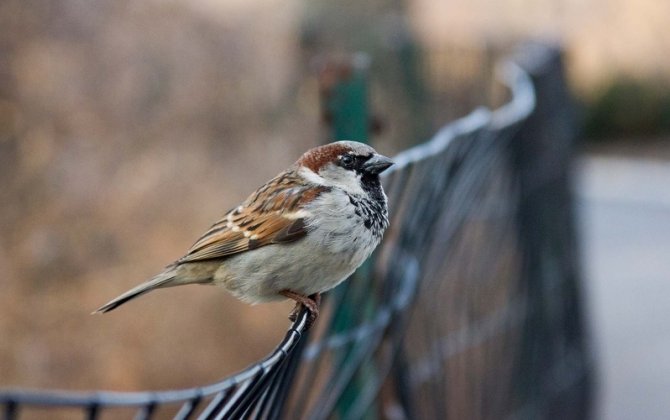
<point x="471" y="309"/>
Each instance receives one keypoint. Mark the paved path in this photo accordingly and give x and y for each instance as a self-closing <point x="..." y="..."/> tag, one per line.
<point x="624" y="207"/>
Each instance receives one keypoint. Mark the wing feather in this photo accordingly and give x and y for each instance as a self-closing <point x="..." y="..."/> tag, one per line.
<point x="263" y="219"/>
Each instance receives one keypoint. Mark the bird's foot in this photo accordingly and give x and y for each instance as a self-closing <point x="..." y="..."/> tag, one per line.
<point x="310" y="302"/>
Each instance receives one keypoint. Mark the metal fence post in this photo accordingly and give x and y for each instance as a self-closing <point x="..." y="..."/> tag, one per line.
<point x="555" y="332"/>
<point x="343" y="83"/>
<point x="344" y="97"/>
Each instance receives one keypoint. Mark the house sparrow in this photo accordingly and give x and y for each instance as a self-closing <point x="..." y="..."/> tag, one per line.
<point x="297" y="236"/>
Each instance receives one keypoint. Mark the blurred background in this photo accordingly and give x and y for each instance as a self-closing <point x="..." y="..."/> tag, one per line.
<point x="127" y="128"/>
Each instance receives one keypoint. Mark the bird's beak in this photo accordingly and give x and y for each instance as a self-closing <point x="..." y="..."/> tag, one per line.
<point x="377" y="164"/>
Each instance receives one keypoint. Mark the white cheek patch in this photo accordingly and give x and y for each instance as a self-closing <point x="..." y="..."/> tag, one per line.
<point x="339" y="177"/>
<point x="311" y="176"/>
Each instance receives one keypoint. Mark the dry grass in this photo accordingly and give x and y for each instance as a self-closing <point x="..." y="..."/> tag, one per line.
<point x="126" y="131"/>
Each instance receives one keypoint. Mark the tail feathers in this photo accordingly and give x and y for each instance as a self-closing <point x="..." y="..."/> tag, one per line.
<point x="162" y="280"/>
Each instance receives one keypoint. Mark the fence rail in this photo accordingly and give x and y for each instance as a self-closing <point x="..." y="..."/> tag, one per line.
<point x="471" y="310"/>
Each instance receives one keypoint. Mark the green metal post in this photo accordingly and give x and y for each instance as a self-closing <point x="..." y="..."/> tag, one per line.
<point x="346" y="114"/>
<point x="344" y="90"/>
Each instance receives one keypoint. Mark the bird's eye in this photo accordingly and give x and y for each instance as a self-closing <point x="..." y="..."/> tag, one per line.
<point x="347" y="161"/>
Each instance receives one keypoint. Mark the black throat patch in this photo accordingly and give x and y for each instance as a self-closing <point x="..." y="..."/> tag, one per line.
<point x="371" y="208"/>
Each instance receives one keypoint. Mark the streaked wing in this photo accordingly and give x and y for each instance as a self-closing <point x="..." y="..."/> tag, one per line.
<point x="274" y="214"/>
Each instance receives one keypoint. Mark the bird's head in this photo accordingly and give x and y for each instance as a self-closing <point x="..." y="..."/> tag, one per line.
<point x="349" y="165"/>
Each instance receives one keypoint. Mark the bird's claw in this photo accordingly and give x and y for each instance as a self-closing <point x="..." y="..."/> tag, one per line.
<point x="311" y="303"/>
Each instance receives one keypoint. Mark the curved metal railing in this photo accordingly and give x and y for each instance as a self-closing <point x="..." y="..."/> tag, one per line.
<point x="358" y="359"/>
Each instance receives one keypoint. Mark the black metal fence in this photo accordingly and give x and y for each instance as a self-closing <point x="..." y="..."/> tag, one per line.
<point x="472" y="309"/>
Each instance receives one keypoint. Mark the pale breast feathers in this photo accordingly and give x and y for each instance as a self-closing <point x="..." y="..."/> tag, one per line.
<point x="271" y="215"/>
